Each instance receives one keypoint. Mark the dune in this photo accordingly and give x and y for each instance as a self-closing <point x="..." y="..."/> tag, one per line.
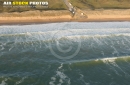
<point x="65" y="16"/>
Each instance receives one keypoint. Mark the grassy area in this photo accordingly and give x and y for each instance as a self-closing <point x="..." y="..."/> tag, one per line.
<point x="35" y="13"/>
<point x="82" y="4"/>
<point x="53" y="5"/>
<point x="106" y="4"/>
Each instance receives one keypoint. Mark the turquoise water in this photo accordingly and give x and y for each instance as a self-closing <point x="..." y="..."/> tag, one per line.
<point x="69" y="53"/>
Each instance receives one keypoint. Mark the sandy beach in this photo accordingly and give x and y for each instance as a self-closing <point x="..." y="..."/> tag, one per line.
<point x="65" y="16"/>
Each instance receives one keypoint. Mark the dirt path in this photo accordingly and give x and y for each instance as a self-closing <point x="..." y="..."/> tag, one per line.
<point x="70" y="7"/>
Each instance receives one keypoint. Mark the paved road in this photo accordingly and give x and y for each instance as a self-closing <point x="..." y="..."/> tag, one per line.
<point x="70" y="7"/>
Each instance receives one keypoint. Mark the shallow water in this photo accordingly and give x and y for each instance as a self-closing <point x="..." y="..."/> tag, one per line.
<point x="69" y="53"/>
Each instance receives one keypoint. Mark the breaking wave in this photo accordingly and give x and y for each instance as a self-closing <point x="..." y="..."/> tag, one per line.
<point x="36" y="54"/>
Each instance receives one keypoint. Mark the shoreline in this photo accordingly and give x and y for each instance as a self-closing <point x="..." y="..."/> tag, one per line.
<point x="37" y="17"/>
<point x="28" y="22"/>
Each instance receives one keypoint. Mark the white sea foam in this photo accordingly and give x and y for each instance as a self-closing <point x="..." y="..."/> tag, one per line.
<point x="82" y="79"/>
<point x="111" y="60"/>
<point x="3" y="83"/>
<point x="20" y="81"/>
<point x="102" y="27"/>
<point x="60" y="76"/>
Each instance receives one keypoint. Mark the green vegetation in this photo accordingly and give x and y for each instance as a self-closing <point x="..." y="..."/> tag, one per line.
<point x="82" y="4"/>
<point x="53" y="5"/>
<point x="97" y="4"/>
<point x="56" y="4"/>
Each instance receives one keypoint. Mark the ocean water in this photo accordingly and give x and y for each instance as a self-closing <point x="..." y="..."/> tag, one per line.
<point x="69" y="53"/>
